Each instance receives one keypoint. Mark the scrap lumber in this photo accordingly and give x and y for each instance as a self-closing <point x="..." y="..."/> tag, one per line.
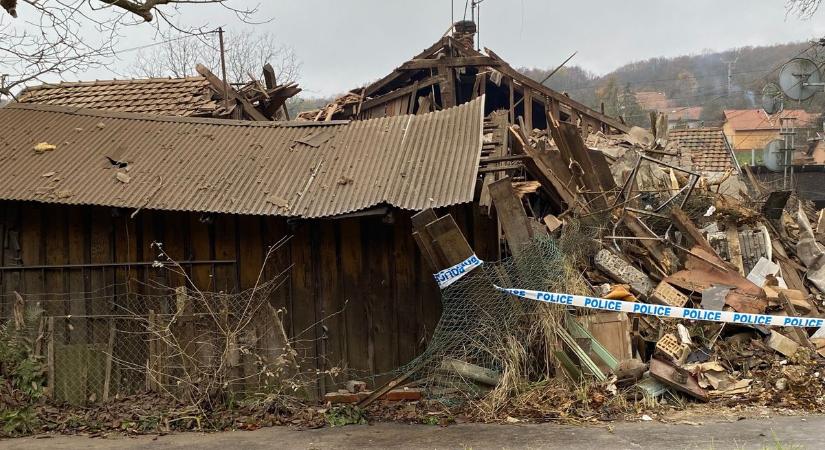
<point x="510" y="212"/>
<point x="782" y="343"/>
<point x="449" y="242"/>
<point x="424" y="240"/>
<point x="221" y="87"/>
<point x="662" y="256"/>
<point x="694" y="237"/>
<point x="548" y="168"/>
<point x="553" y="223"/>
<point x="755" y="183"/>
<point x="571" y="145"/>
<point x="500" y="130"/>
<point x="734" y="246"/>
<point x="775" y="204"/>
<point x="789" y="307"/>
<point x="677" y="378"/>
<point x="471" y="371"/>
<point x="393" y="395"/>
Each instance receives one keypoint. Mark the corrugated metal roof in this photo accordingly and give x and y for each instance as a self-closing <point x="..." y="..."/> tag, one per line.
<point x="707" y="148"/>
<point x="189" y="96"/>
<point x="211" y="165"/>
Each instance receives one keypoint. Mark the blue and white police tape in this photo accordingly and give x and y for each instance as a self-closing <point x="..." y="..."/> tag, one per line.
<point x="674" y="312"/>
<point x="452" y="274"/>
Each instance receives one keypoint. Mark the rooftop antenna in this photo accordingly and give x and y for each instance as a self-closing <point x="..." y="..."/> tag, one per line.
<point x="476" y="17"/>
<point x="452" y="13"/>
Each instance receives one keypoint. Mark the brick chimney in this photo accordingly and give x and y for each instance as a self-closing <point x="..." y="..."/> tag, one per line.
<point x="464" y="31"/>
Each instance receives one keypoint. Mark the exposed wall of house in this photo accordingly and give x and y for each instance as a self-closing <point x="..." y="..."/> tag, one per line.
<point x="745" y="140"/>
<point x="359" y="295"/>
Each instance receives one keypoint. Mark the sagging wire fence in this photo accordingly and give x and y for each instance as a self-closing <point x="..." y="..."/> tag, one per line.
<point x="488" y="342"/>
<point x="195" y="346"/>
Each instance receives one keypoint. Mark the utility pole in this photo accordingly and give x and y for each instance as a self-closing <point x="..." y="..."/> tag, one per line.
<point x="223" y="68"/>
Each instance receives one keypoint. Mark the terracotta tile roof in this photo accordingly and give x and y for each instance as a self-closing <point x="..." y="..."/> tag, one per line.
<point x="758" y="119"/>
<point x="688" y="114"/>
<point x="650" y="100"/>
<point x="159" y="96"/>
<point x="707" y="148"/>
<point x="295" y="169"/>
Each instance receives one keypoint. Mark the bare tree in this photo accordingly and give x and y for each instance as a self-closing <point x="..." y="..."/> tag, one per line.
<point x="246" y="53"/>
<point x="803" y="8"/>
<point x="39" y="37"/>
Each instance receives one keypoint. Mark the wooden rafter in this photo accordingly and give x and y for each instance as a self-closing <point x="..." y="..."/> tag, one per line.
<point x="221" y="87"/>
<point x="459" y="61"/>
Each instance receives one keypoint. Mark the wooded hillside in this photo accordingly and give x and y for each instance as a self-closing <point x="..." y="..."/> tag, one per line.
<point x="690" y="80"/>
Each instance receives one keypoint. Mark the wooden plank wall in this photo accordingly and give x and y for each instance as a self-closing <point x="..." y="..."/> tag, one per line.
<point x="359" y="296"/>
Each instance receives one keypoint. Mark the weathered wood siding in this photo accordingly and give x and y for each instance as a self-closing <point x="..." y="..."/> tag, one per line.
<point x="359" y="296"/>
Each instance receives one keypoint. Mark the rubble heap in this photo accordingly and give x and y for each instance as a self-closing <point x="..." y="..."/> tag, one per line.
<point x="646" y="228"/>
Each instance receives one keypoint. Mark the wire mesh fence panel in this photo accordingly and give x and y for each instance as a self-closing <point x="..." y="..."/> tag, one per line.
<point x="484" y="334"/>
<point x="177" y="341"/>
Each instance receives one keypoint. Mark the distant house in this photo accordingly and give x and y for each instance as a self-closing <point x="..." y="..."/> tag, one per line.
<point x="750" y="130"/>
<point x="684" y="117"/>
<point x="677" y="116"/>
<point x="651" y="100"/>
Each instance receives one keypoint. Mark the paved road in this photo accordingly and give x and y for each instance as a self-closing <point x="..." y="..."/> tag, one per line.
<point x="779" y="433"/>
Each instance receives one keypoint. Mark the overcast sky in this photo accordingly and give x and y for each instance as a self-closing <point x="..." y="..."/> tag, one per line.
<point x="345" y="43"/>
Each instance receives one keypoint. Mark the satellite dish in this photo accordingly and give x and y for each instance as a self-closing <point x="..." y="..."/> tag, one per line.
<point x="772" y="98"/>
<point x="799" y="79"/>
<point x="773" y="156"/>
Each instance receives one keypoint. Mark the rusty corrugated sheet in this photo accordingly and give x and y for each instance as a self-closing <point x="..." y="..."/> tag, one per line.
<point x="264" y="168"/>
<point x="190" y="96"/>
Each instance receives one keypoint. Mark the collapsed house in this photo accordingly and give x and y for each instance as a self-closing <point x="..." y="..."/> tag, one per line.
<point x="95" y="206"/>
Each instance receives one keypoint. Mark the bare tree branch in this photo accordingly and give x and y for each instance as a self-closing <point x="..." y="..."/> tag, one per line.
<point x="802" y="8"/>
<point x="246" y="53"/>
<point x="40" y="37"/>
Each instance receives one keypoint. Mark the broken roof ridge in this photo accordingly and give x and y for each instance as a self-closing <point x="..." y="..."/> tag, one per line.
<point x="109" y="114"/>
<point x="114" y="81"/>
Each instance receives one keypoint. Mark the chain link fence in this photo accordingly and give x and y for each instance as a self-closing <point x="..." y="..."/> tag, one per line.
<point x="135" y="337"/>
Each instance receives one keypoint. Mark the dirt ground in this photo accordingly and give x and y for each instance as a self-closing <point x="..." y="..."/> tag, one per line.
<point x="782" y="432"/>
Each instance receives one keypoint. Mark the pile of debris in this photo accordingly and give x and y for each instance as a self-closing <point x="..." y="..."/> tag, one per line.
<point x="646" y="228"/>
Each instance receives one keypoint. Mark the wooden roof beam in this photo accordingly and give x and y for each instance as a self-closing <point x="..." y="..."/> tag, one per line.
<point x="392" y="95"/>
<point x="581" y="108"/>
<point x="395" y="74"/>
<point x="459" y="61"/>
<point x="221" y="87"/>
